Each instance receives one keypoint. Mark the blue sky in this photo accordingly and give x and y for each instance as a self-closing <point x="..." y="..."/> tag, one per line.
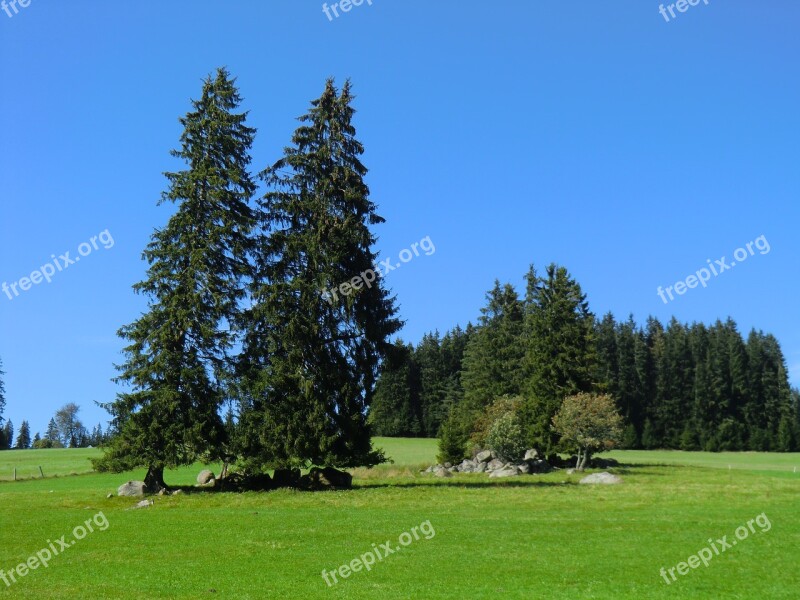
<point x="592" y="134"/>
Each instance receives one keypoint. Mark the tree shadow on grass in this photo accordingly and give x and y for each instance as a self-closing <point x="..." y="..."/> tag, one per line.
<point x="517" y="483"/>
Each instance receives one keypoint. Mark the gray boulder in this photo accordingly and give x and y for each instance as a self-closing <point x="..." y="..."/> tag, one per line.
<point x="601" y="478"/>
<point x="484" y="456"/>
<point x="481" y="468"/>
<point x="495" y="464"/>
<point x="144" y="504"/>
<point x="523" y="469"/>
<point x="506" y="472"/>
<point x="326" y="479"/>
<point x="132" y="488"/>
<point x="440" y="471"/>
<point x="467" y="466"/>
<point x="205" y="476"/>
<point x="531" y="454"/>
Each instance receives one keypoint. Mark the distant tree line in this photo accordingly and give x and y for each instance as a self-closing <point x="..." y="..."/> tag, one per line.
<point x="691" y="387"/>
<point x="65" y="430"/>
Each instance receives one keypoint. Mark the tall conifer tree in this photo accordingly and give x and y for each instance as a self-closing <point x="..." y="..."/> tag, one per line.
<point x="177" y="350"/>
<point x="310" y="358"/>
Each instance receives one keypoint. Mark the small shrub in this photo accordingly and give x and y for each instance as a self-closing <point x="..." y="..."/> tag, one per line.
<point x="506" y="438"/>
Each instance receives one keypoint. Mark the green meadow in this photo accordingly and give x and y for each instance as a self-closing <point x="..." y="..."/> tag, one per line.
<point x="542" y="536"/>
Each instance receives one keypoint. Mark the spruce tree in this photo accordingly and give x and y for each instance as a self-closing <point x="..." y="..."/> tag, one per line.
<point x="176" y="357"/>
<point x="395" y="410"/>
<point x="492" y="365"/>
<point x="52" y="432"/>
<point x="24" y="436"/>
<point x="2" y="392"/>
<point x="561" y="351"/>
<point x="8" y="435"/>
<point x="320" y="321"/>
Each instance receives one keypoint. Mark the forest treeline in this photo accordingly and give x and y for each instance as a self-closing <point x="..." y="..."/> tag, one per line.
<point x="680" y="386"/>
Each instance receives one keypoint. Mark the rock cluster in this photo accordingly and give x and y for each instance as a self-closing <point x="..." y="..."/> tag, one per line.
<point x="488" y="462"/>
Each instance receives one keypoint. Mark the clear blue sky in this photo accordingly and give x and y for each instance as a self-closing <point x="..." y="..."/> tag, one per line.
<point x="593" y="134"/>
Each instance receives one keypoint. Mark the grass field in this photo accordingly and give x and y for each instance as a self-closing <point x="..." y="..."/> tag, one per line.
<point x="533" y="537"/>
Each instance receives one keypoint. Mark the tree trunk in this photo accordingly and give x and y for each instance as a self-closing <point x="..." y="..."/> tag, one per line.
<point x="154" y="480"/>
<point x="585" y="459"/>
<point x="578" y="461"/>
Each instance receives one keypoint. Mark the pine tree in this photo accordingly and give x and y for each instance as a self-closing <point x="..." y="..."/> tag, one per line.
<point x="560" y="359"/>
<point x="2" y="392"/>
<point x="36" y="439"/>
<point x="310" y="356"/>
<point x="176" y="355"/>
<point x="492" y="365"/>
<point x="8" y="435"/>
<point x="395" y="407"/>
<point x="52" y="432"/>
<point x="24" y="436"/>
<point x="607" y="356"/>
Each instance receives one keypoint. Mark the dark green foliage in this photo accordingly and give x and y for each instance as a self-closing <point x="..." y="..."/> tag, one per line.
<point x="630" y="437"/>
<point x="2" y="392"/>
<point x="396" y="410"/>
<point x="176" y="358"/>
<point x="455" y="436"/>
<point x="561" y="352"/>
<point x="492" y="365"/>
<point x="52" y="431"/>
<point x="649" y="440"/>
<point x="8" y="436"/>
<point x="24" y="436"/>
<point x="427" y="380"/>
<point x="787" y="432"/>
<point x="310" y="358"/>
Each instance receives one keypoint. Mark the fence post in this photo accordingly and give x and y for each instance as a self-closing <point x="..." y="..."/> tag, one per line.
<point x="41" y="472"/>
<point x="15" y="473"/>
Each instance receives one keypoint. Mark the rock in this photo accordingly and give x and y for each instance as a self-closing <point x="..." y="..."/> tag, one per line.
<point x="163" y="492"/>
<point x="205" y="476"/>
<point x="429" y="469"/>
<point x="531" y="455"/>
<point x="481" y="468"/>
<point x="523" y="469"/>
<point x="132" y="488"/>
<point x="570" y="471"/>
<point x="447" y="465"/>
<point x="484" y="456"/>
<point x="144" y="504"/>
<point x="508" y="472"/>
<point x="286" y="477"/>
<point x="176" y="492"/>
<point x="440" y="471"/>
<point x="110" y="496"/>
<point x="467" y="466"/>
<point x="604" y="478"/>
<point x="329" y="479"/>
<point x="494" y="465"/>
